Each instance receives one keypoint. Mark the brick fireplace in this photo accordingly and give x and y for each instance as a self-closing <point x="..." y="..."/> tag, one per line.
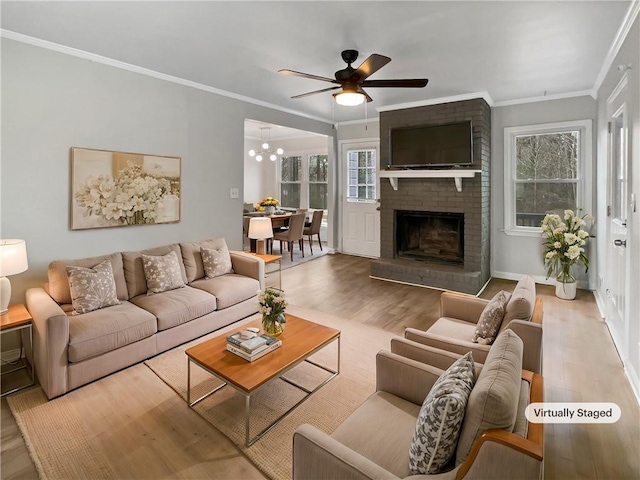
<point x="431" y="233"/>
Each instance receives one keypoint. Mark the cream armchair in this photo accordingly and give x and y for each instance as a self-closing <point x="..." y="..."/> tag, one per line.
<point x="373" y="442"/>
<point x="459" y="314"/>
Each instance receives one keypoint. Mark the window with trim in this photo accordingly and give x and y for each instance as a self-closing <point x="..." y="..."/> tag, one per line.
<point x="290" y="181"/>
<point x="318" y="186"/>
<point x="544" y="172"/>
<point x="361" y="175"/>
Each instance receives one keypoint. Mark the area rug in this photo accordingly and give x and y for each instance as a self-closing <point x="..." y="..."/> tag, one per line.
<point x="130" y="425"/>
<point x="325" y="409"/>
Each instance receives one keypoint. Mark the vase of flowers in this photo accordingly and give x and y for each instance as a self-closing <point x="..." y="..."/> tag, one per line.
<point x="268" y="204"/>
<point x="565" y="238"/>
<point x="271" y="305"/>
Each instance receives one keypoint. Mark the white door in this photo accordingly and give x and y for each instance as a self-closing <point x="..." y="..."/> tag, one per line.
<point x="360" y="184"/>
<point x="617" y="261"/>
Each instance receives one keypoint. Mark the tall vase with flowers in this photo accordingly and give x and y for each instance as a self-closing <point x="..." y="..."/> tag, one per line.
<point x="565" y="238"/>
<point x="271" y="304"/>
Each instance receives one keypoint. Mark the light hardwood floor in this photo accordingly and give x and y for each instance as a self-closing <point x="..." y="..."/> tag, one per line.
<point x="580" y="362"/>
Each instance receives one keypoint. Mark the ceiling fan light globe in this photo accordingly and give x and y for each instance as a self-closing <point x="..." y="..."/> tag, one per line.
<point x="252" y="153"/>
<point x="272" y="157"/>
<point x="279" y="151"/>
<point x="349" y="99"/>
<point x="259" y="158"/>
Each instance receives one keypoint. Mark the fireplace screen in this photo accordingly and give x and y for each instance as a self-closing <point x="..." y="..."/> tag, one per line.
<point x="430" y="236"/>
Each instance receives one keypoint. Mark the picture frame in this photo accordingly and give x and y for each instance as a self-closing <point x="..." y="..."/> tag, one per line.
<point x="118" y="189"/>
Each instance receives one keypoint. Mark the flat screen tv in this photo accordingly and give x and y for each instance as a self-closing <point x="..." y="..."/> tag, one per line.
<point x="431" y="146"/>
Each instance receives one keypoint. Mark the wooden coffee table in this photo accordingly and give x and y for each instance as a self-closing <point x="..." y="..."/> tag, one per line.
<point x="300" y="340"/>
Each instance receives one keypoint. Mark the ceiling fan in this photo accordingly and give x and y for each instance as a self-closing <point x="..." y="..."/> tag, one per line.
<point x="351" y="81"/>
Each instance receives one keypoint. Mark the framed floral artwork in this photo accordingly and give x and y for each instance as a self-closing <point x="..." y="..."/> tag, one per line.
<point x="115" y="189"/>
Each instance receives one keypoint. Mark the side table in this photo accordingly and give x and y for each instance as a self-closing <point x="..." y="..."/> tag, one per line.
<point x="18" y="319"/>
<point x="271" y="260"/>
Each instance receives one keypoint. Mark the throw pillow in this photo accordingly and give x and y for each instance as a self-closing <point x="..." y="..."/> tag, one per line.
<point x="491" y="319"/>
<point x="162" y="272"/>
<point x="92" y="288"/>
<point x="436" y="435"/>
<point x="216" y="261"/>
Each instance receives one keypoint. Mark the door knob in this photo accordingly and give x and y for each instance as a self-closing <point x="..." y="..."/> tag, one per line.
<point x="620" y="243"/>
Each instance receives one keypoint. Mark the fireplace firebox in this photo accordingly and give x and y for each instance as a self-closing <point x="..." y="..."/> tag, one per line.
<point x="430" y="236"/>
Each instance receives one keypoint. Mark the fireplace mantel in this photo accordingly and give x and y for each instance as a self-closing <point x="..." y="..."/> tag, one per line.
<point x="457" y="175"/>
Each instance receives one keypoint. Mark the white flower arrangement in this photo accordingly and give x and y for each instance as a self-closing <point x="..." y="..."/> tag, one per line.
<point x="565" y="239"/>
<point x="132" y="198"/>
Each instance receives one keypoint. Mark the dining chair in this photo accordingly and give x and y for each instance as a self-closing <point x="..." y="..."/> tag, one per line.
<point x="314" y="228"/>
<point x="292" y="234"/>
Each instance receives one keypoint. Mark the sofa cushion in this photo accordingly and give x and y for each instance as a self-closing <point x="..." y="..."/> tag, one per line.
<point x="134" y="271"/>
<point x="453" y="328"/>
<point x="385" y="440"/>
<point x="438" y="427"/>
<point x="176" y="307"/>
<point x="491" y="319"/>
<point x="521" y="303"/>
<point x="493" y="402"/>
<point x="92" y="288"/>
<point x="107" y="329"/>
<point x="58" y="286"/>
<point x="216" y="262"/>
<point x="162" y="272"/>
<point x="192" y="257"/>
<point x="229" y="289"/>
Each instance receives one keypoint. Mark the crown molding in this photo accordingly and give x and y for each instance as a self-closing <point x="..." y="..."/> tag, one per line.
<point x="359" y="121"/>
<point x="74" y="52"/>
<point x="436" y="101"/>
<point x="623" y="31"/>
<point x="543" y="98"/>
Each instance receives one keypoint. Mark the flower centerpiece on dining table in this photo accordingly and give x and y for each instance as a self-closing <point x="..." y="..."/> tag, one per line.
<point x="272" y="305"/>
<point x="268" y="205"/>
<point x="565" y="238"/>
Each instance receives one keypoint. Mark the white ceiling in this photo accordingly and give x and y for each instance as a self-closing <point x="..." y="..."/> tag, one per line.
<point x="511" y="50"/>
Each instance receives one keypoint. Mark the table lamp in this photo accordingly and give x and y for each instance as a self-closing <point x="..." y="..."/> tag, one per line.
<point x="13" y="260"/>
<point x="260" y="229"/>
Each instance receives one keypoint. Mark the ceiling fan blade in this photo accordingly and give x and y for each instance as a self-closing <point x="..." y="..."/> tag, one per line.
<point x="406" y="83"/>
<point x="314" y="92"/>
<point x="306" y="75"/>
<point x="370" y="66"/>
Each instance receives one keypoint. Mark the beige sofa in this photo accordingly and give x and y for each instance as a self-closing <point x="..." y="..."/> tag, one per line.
<point x="459" y="314"/>
<point x="70" y="350"/>
<point x="496" y="441"/>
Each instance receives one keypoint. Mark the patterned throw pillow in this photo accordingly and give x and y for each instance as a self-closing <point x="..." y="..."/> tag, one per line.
<point x="216" y="261"/>
<point x="92" y="288"/>
<point x="491" y="319"/>
<point x="440" y="419"/>
<point x="162" y="272"/>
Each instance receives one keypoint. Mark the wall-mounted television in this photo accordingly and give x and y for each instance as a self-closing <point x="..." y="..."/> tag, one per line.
<point x="446" y="145"/>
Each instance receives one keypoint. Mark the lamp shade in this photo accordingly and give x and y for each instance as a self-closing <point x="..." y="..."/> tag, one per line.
<point x="349" y="99"/>
<point x="13" y="257"/>
<point x="260" y="228"/>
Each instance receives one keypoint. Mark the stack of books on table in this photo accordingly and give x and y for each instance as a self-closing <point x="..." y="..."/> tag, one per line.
<point x="253" y="348"/>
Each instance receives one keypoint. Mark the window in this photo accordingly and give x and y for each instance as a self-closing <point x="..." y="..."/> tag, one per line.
<point x="544" y="172"/>
<point x="290" y="185"/>
<point x="361" y="175"/>
<point x="318" y="187"/>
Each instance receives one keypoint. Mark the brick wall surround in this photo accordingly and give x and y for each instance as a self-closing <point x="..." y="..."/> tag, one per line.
<point x="439" y="195"/>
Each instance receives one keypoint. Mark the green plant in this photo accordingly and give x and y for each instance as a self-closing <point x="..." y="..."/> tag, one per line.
<point x="564" y="242"/>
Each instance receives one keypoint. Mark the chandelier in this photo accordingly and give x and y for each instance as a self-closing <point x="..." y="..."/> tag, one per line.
<point x="265" y="148"/>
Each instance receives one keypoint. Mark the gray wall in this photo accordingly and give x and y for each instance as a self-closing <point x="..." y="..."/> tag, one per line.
<point x="513" y="256"/>
<point x="52" y="101"/>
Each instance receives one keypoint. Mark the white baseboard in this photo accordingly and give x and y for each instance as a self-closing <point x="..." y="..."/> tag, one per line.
<point x="538" y="279"/>
<point x="600" y="303"/>
<point x="634" y="381"/>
